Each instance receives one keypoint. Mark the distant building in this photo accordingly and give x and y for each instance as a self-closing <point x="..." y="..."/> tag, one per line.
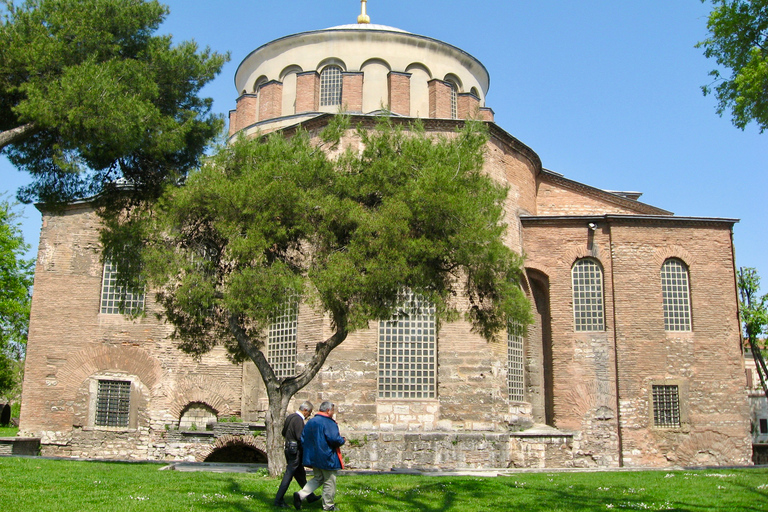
<point x="634" y="358"/>
<point x="758" y="405"/>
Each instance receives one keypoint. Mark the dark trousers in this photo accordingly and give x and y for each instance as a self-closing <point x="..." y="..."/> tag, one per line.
<point x="293" y="469"/>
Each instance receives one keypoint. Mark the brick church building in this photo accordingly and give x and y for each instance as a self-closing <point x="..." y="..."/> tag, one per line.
<point x="634" y="358"/>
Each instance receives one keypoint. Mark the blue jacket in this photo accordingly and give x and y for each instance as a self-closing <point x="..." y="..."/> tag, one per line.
<point x="320" y="440"/>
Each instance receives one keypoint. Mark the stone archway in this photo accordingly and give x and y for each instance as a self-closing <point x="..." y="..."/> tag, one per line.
<point x="237" y="449"/>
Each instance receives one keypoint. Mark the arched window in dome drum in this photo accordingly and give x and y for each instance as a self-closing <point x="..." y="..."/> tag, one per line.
<point x="454" y="100"/>
<point x="330" y="86"/>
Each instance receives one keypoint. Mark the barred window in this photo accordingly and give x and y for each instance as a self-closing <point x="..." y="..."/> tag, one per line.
<point x="515" y="368"/>
<point x="454" y="100"/>
<point x="587" y="295"/>
<point x="113" y="400"/>
<point x="675" y="296"/>
<point x="115" y="299"/>
<point x="407" y="351"/>
<point x="666" y="406"/>
<point x="330" y="86"/>
<point x="281" y="341"/>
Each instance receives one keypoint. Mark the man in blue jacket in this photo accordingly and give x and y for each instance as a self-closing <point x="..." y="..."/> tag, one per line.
<point x="321" y="441"/>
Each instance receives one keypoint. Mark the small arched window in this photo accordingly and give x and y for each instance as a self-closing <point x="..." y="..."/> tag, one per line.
<point x="588" y="313"/>
<point x="330" y="86"/>
<point x="675" y="294"/>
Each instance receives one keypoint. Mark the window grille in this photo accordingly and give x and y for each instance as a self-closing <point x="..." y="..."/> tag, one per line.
<point x="587" y="296"/>
<point x="666" y="406"/>
<point x="515" y="366"/>
<point x="330" y="86"/>
<point x="454" y="100"/>
<point x="113" y="401"/>
<point x="114" y="296"/>
<point x="407" y="351"/>
<point x="282" y="339"/>
<point x="675" y="296"/>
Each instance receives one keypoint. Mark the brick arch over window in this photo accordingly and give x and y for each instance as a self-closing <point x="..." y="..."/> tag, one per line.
<point x="673" y="251"/>
<point x="133" y="361"/>
<point x="206" y="390"/>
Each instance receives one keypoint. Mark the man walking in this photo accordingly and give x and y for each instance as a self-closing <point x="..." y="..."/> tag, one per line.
<point x="321" y="441"/>
<point x="292" y="429"/>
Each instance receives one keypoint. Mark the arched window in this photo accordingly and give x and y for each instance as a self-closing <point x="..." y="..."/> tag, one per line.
<point x="454" y="100"/>
<point x="587" y="279"/>
<point x="281" y="342"/>
<point x="197" y="416"/>
<point x="330" y="86"/>
<point x="407" y="351"/>
<point x="515" y="362"/>
<point x="675" y="295"/>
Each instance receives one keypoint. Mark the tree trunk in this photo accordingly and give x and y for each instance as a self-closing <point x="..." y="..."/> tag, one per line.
<point x="279" y="392"/>
<point x="17" y="134"/>
<point x="276" y="413"/>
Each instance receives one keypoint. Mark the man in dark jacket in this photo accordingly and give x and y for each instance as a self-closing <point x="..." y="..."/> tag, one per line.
<point x="292" y="429"/>
<point x="321" y="441"/>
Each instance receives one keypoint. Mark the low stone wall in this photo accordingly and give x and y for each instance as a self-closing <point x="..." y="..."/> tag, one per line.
<point x="422" y="450"/>
<point x="19" y="446"/>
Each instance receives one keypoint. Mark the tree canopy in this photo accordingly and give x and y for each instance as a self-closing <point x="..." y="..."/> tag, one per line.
<point x="753" y="313"/>
<point x="90" y="95"/>
<point x="15" y="284"/>
<point x="738" y="39"/>
<point x="285" y="218"/>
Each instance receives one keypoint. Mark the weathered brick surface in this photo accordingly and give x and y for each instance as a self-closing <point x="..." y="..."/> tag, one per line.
<point x="352" y="91"/>
<point x="307" y="92"/>
<point x="439" y="99"/>
<point x="468" y="106"/>
<point x="399" y="93"/>
<point x="270" y="100"/>
<point x="594" y="387"/>
<point x="602" y="380"/>
<point x="247" y="112"/>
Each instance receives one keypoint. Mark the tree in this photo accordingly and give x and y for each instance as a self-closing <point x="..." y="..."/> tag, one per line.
<point x="738" y="42"/>
<point x="15" y="283"/>
<point x="90" y="96"/>
<point x="753" y="312"/>
<point x="274" y="220"/>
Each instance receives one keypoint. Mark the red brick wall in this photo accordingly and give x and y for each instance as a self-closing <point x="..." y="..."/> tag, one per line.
<point x="439" y="99"/>
<point x="270" y="100"/>
<point x="399" y="93"/>
<point x="307" y="92"/>
<point x="634" y="349"/>
<point x="352" y="91"/>
<point x="247" y="113"/>
<point x="70" y="342"/>
<point x="468" y="106"/>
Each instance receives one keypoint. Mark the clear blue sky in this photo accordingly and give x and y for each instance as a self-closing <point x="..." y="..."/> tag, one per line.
<point x="605" y="92"/>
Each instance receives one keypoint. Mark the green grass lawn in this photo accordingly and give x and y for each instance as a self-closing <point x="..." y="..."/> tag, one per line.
<point x="28" y="484"/>
<point x="8" y="431"/>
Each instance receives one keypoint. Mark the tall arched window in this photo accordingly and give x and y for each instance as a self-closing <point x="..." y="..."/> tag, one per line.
<point x="330" y="86"/>
<point x="281" y="341"/>
<point x="587" y="277"/>
<point x="515" y="362"/>
<point x="454" y="100"/>
<point x="407" y="351"/>
<point x="675" y="295"/>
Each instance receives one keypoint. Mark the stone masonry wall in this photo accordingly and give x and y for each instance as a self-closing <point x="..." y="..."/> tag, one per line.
<point x="603" y="379"/>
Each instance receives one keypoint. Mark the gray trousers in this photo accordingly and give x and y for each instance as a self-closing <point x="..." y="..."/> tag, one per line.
<point x="326" y="478"/>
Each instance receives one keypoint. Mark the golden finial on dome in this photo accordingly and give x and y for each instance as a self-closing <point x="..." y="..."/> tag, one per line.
<point x="363" y="18"/>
